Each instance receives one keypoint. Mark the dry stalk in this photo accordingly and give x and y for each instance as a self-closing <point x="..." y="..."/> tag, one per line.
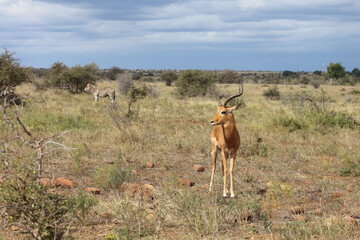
<point x="24" y="133"/>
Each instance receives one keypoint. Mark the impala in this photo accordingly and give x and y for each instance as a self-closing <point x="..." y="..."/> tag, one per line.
<point x="225" y="137"/>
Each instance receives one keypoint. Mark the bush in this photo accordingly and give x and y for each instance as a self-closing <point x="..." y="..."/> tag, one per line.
<point x="229" y="76"/>
<point x="113" y="72"/>
<point x="31" y="206"/>
<point x="313" y="107"/>
<point x="73" y="79"/>
<point x="316" y="84"/>
<point x="137" y="76"/>
<point x="290" y="74"/>
<point x="125" y="83"/>
<point x="272" y="93"/>
<point x="193" y="83"/>
<point x="168" y="77"/>
<point x="336" y="70"/>
<point x="11" y="73"/>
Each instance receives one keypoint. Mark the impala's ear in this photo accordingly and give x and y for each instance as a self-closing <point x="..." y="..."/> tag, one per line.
<point x="234" y="108"/>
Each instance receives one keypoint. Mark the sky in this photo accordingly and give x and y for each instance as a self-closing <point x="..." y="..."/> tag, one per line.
<point x="257" y="35"/>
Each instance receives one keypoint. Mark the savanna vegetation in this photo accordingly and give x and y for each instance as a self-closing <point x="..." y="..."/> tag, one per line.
<point x="296" y="174"/>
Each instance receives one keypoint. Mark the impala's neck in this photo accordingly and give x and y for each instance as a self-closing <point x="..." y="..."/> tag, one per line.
<point x="230" y="123"/>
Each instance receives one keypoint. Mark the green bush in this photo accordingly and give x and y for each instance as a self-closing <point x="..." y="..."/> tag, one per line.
<point x="112" y="176"/>
<point x="229" y="76"/>
<point x="313" y="108"/>
<point x="272" y="93"/>
<point x="73" y="79"/>
<point x="193" y="83"/>
<point x="11" y="73"/>
<point x="336" y="70"/>
<point x="291" y="123"/>
<point x="113" y="72"/>
<point x="168" y="77"/>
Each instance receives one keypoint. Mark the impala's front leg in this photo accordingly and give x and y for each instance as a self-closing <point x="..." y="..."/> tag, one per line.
<point x="214" y="156"/>
<point x="232" y="161"/>
<point x="225" y="156"/>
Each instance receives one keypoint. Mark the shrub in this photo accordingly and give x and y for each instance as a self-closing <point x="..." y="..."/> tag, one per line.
<point x="313" y="107"/>
<point x="336" y="70"/>
<point x="125" y="83"/>
<point x="113" y="72"/>
<point x="316" y="84"/>
<point x="168" y="77"/>
<point x="73" y="79"/>
<point x="291" y="123"/>
<point x="11" y="73"/>
<point x="317" y="72"/>
<point x="193" y="83"/>
<point x="137" y="76"/>
<point x="31" y="206"/>
<point x="229" y="76"/>
<point x="272" y="93"/>
<point x="289" y="74"/>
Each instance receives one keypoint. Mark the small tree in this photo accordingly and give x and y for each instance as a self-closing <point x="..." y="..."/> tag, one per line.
<point x="355" y="72"/>
<point x="74" y="79"/>
<point x="11" y="73"/>
<point x="317" y="72"/>
<point x="113" y="72"/>
<point x="229" y="76"/>
<point x="193" y="83"/>
<point x="168" y="77"/>
<point x="336" y="70"/>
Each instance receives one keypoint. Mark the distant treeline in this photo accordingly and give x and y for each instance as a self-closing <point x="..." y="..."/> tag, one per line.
<point x="231" y="76"/>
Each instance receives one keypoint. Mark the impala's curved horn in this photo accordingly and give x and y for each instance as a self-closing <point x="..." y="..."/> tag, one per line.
<point x="235" y="96"/>
<point x="219" y="99"/>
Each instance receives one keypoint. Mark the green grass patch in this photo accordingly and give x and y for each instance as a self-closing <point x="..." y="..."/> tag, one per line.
<point x="45" y="122"/>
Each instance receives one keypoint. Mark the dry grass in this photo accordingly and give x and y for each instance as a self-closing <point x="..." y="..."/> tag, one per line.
<point x="302" y="167"/>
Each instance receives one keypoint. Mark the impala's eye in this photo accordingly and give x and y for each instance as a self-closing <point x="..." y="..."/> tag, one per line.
<point x="223" y="112"/>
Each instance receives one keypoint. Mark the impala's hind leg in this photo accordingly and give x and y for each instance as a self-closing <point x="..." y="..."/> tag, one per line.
<point x="232" y="161"/>
<point x="214" y="156"/>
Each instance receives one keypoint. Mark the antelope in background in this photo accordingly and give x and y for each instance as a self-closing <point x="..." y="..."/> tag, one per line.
<point x="105" y="92"/>
<point x="225" y="137"/>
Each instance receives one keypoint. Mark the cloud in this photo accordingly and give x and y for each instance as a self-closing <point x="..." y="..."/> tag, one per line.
<point x="94" y="26"/>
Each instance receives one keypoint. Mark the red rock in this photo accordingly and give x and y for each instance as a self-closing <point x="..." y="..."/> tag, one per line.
<point x="147" y="192"/>
<point x="355" y="213"/>
<point x="105" y="215"/>
<point x="299" y="218"/>
<point x="151" y="214"/>
<point x="198" y="168"/>
<point x="297" y="210"/>
<point x="317" y="212"/>
<point x="350" y="220"/>
<point x="129" y="189"/>
<point x="63" y="182"/>
<point x="186" y="182"/>
<point x="337" y="194"/>
<point x="93" y="190"/>
<point x="45" y="182"/>
<point x="149" y="164"/>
